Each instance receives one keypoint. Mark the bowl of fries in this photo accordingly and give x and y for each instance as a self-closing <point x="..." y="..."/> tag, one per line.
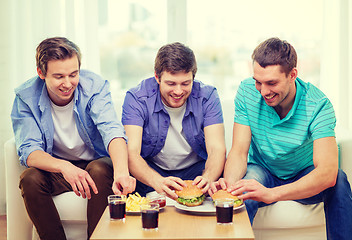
<point x="133" y="201"/>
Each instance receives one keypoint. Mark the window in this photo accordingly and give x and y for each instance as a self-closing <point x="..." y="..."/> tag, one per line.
<point x="223" y="35"/>
<point x="130" y="34"/>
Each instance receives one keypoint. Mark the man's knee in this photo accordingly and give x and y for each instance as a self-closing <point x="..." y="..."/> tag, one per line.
<point x="32" y="180"/>
<point x="99" y="169"/>
<point x="255" y="172"/>
<point x="342" y="181"/>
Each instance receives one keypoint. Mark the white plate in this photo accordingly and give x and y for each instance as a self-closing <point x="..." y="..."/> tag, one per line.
<point x="206" y="207"/>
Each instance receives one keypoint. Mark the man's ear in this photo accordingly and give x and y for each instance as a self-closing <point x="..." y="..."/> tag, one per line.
<point x="157" y="78"/>
<point x="293" y="74"/>
<point x="40" y="73"/>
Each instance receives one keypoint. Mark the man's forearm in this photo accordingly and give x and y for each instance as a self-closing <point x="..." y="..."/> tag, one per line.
<point x="235" y="167"/>
<point x="44" y="161"/>
<point x="141" y="170"/>
<point x="119" y="156"/>
<point x="311" y="184"/>
<point x="214" y="166"/>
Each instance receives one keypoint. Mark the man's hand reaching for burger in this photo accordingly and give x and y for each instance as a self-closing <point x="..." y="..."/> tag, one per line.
<point x="168" y="185"/>
<point x="202" y="183"/>
<point x="220" y="184"/>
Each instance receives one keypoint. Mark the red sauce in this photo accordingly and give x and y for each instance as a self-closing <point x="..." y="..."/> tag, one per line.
<point x="162" y="202"/>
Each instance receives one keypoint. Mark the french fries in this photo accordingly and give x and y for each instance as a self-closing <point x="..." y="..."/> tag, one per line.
<point x="134" y="200"/>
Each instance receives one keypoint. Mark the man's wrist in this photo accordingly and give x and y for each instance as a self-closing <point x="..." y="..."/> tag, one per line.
<point x="121" y="173"/>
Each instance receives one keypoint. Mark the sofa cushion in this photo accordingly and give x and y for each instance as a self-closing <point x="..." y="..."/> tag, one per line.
<point x="71" y="207"/>
<point x="289" y="214"/>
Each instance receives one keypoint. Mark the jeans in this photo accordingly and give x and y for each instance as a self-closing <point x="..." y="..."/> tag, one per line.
<point x="337" y="200"/>
<point x="189" y="173"/>
<point x="38" y="187"/>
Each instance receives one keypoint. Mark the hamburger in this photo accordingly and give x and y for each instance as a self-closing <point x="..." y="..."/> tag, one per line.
<point x="223" y="194"/>
<point x="190" y="195"/>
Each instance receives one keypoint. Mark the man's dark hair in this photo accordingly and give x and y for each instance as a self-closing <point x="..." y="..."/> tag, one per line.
<point x="57" y="48"/>
<point x="274" y="51"/>
<point x="175" y="58"/>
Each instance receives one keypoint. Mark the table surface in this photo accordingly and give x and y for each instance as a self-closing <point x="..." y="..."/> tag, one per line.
<point x="175" y="224"/>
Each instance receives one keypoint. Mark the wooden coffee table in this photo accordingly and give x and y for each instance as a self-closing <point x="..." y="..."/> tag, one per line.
<point x="175" y="224"/>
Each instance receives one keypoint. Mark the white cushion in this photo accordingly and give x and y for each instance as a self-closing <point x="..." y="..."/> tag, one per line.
<point x="290" y="214"/>
<point x="290" y="220"/>
<point x="71" y="207"/>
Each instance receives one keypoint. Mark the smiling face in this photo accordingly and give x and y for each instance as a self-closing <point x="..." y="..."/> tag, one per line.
<point x="175" y="88"/>
<point x="277" y="89"/>
<point x="61" y="79"/>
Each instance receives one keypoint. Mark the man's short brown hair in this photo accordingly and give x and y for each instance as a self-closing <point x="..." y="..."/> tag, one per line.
<point x="274" y="51"/>
<point x="175" y="58"/>
<point x="57" y="48"/>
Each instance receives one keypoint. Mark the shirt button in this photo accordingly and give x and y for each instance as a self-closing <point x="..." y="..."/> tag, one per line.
<point x="153" y="90"/>
<point x="162" y="139"/>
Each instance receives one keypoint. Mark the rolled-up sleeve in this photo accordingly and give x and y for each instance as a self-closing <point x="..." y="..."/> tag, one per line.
<point x="28" y="136"/>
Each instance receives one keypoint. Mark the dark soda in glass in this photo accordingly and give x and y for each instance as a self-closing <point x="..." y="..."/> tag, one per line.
<point x="117" y="210"/>
<point x="150" y="219"/>
<point x="224" y="214"/>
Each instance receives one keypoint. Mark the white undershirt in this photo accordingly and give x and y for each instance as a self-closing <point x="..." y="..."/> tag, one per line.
<point x="176" y="153"/>
<point x="67" y="142"/>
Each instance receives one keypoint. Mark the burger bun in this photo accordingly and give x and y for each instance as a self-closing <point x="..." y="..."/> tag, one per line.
<point x="223" y="194"/>
<point x="190" y="191"/>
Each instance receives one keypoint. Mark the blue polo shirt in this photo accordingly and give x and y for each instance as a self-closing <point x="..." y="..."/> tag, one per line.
<point x="143" y="107"/>
<point x="284" y="146"/>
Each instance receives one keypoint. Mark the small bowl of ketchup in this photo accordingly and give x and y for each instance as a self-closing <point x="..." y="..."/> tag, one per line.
<point x="157" y="198"/>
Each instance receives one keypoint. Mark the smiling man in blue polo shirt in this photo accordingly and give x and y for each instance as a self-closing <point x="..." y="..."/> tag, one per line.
<point x="174" y="126"/>
<point x="284" y="142"/>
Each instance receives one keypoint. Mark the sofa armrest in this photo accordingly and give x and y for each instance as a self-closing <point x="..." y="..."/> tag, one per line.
<point x="19" y="225"/>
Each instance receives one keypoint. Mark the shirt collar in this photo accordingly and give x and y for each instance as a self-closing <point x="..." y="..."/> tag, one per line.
<point x="292" y="111"/>
<point x="159" y="106"/>
<point x="44" y="100"/>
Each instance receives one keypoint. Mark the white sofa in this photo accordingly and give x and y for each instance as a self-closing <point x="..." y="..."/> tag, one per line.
<point x="72" y="209"/>
<point x="282" y="220"/>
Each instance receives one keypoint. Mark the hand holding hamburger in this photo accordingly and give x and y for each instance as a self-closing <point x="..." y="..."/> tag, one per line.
<point x="223" y="194"/>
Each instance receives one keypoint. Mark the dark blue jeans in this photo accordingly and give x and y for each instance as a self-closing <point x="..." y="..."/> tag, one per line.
<point x="337" y="200"/>
<point x="189" y="173"/>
